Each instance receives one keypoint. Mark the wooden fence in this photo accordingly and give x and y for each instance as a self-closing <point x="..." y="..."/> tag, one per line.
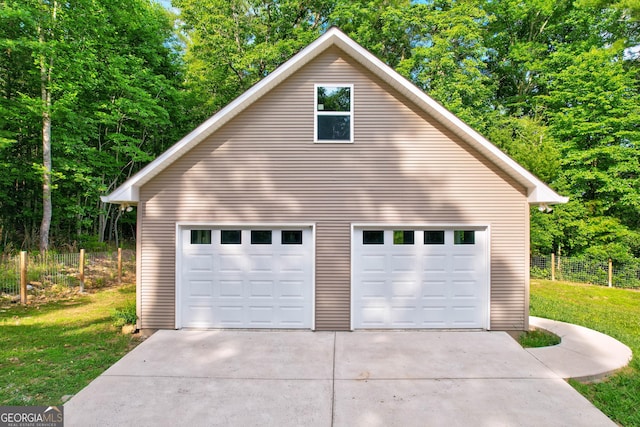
<point x="26" y="272"/>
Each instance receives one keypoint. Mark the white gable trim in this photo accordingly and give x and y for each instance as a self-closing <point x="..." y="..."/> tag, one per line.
<point x="538" y="192"/>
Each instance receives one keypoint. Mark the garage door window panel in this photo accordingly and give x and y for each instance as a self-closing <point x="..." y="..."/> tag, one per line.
<point x="260" y="237"/>
<point x="403" y="237"/>
<point x="464" y="237"/>
<point x="200" y="237"/>
<point x="291" y="237"/>
<point x="434" y="237"/>
<point x="231" y="237"/>
<point x="373" y="237"/>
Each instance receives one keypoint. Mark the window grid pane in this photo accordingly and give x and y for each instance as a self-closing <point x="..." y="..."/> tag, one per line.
<point x="260" y="237"/>
<point x="230" y="237"/>
<point x="333" y="98"/>
<point x="434" y="237"/>
<point x="291" y="237"/>
<point x="200" y="237"/>
<point x="373" y="237"/>
<point x="334" y="127"/>
<point x="464" y="237"/>
<point x="334" y="113"/>
<point x="403" y="237"/>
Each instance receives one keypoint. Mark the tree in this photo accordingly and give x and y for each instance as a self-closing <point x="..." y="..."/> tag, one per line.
<point x="233" y="44"/>
<point x="438" y="45"/>
<point x="594" y="110"/>
<point x="104" y="78"/>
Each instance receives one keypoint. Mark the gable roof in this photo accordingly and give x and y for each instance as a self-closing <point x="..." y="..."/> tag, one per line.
<point x="538" y="192"/>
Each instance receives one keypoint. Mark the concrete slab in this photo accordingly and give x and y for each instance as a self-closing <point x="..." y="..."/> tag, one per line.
<point x="463" y="402"/>
<point x="293" y="378"/>
<point x="231" y="354"/>
<point x="186" y="401"/>
<point x="433" y="354"/>
<point x="583" y="354"/>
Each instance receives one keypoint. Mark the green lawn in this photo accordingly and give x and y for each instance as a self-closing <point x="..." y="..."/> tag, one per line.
<point x="55" y="349"/>
<point x="615" y="312"/>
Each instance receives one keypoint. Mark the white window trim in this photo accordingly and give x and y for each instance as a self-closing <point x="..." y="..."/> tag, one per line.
<point x="317" y="113"/>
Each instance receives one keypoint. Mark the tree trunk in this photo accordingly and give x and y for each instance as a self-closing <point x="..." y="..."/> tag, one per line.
<point x="47" y="208"/>
<point x="46" y="68"/>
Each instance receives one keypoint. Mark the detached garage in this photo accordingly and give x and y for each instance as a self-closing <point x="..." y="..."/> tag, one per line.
<point x="333" y="195"/>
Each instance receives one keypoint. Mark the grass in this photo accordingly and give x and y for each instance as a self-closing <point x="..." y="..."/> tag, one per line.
<point x="55" y="349"/>
<point x="615" y="312"/>
<point x="538" y="338"/>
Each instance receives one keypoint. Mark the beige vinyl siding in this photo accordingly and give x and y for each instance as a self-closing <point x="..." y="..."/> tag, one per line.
<point x="402" y="168"/>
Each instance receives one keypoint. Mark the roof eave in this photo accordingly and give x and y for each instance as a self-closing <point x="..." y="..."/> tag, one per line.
<point x="124" y="195"/>
<point x="544" y="196"/>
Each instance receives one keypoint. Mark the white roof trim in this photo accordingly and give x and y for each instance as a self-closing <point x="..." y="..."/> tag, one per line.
<point x="538" y="192"/>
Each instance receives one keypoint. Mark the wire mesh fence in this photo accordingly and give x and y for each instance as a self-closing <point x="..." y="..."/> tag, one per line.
<point x="586" y="270"/>
<point x="63" y="269"/>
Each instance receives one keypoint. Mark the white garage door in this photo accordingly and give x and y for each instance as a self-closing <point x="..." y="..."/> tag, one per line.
<point x="246" y="278"/>
<point x="420" y="278"/>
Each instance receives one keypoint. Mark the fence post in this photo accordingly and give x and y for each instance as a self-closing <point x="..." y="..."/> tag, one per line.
<point x="23" y="277"/>
<point x="119" y="266"/>
<point x="81" y="270"/>
<point x="553" y="266"/>
<point x="610" y="272"/>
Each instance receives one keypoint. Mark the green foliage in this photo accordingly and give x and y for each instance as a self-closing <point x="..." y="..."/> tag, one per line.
<point x="233" y="44"/>
<point x="529" y="141"/>
<point x="116" y="88"/>
<point x="594" y="111"/>
<point x="437" y="45"/>
<point x="125" y="315"/>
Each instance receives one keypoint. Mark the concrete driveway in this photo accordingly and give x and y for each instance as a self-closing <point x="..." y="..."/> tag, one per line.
<point x="254" y="378"/>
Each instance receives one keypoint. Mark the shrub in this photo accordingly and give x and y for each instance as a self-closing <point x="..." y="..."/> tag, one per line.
<point x="125" y="315"/>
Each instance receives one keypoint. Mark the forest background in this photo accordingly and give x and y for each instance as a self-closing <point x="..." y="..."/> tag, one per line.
<point x="92" y="90"/>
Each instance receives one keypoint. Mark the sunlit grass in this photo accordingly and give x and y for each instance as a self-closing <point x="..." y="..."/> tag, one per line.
<point x="55" y="349"/>
<point x="538" y="338"/>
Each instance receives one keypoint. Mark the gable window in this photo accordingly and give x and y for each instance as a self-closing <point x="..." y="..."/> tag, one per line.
<point x="333" y="113"/>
